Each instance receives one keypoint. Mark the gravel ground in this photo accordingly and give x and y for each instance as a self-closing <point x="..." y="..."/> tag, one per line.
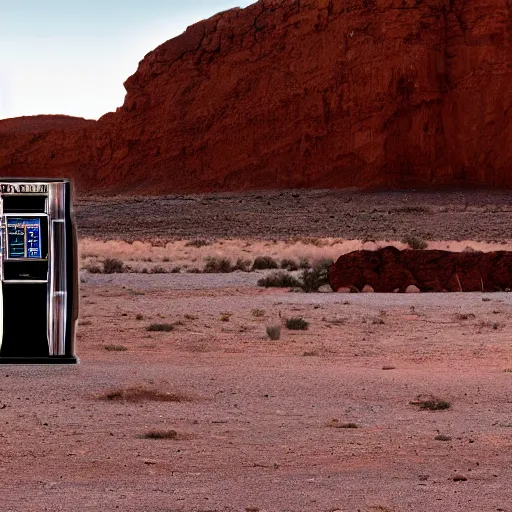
<point x="441" y="215"/>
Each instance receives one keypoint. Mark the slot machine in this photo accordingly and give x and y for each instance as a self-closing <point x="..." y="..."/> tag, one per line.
<point x="38" y="272"/>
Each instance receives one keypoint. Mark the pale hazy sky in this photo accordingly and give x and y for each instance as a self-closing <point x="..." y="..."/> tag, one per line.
<point x="72" y="56"/>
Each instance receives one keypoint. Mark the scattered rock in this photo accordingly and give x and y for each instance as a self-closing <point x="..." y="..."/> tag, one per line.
<point x="459" y="478"/>
<point x="412" y="289"/>
<point x="367" y="289"/>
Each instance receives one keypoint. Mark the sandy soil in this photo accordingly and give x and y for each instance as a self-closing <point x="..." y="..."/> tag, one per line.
<point x="257" y="424"/>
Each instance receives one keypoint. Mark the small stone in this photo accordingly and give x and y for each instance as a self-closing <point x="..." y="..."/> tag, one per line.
<point x="412" y="289"/>
<point x="459" y="478"/>
<point x="343" y="289"/>
<point x="396" y="290"/>
<point x="325" y="288"/>
<point x="367" y="289"/>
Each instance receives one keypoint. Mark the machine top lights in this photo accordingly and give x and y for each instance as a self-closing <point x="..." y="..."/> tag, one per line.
<point x="38" y="272"/>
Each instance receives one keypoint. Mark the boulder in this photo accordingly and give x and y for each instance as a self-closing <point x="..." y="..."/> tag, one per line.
<point x="391" y="270"/>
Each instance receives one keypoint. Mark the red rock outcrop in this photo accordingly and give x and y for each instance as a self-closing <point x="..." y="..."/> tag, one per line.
<point x="309" y="93"/>
<point x="389" y="269"/>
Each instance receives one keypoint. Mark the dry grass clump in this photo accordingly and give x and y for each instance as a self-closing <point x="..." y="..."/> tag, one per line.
<point x="338" y="424"/>
<point x="431" y="403"/>
<point x="279" y="280"/>
<point x="165" y="434"/>
<point x="273" y="332"/>
<point x="160" y="327"/>
<point x="141" y="393"/>
<point x="297" y="324"/>
<point x="115" y="348"/>
<point x="264" y="263"/>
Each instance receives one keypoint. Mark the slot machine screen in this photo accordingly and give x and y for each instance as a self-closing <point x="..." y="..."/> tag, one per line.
<point x="24" y="237"/>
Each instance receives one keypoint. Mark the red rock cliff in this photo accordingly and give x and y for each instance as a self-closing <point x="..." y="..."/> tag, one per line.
<point x="309" y="93"/>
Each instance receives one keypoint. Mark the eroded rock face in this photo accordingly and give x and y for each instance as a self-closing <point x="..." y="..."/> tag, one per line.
<point x="389" y="270"/>
<point x="316" y="93"/>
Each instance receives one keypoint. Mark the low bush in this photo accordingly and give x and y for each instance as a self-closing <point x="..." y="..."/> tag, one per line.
<point x="216" y="265"/>
<point x="264" y="263"/>
<point x="287" y="264"/>
<point x="113" y="266"/>
<point x="297" y="324"/>
<point x="274" y="332"/>
<point x="160" y="327"/>
<point x="415" y="242"/>
<point x="317" y="276"/>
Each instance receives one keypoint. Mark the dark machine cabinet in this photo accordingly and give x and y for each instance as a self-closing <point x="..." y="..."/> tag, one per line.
<point x="39" y="272"/>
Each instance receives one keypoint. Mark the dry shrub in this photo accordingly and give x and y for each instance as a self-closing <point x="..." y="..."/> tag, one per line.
<point x="431" y="403"/>
<point x="113" y="266"/>
<point x="415" y="242"/>
<point x="141" y="393"/>
<point x="215" y="265"/>
<point x="163" y="434"/>
<point x="288" y="264"/>
<point x="198" y="243"/>
<point x="274" y="332"/>
<point x="115" y="348"/>
<point x="297" y="324"/>
<point x="264" y="263"/>
<point x="338" y="424"/>
<point x="160" y="327"/>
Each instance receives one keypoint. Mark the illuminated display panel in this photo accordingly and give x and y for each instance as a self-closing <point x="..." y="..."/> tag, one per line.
<point x="24" y="237"/>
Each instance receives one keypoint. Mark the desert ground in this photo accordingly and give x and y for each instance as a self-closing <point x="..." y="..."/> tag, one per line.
<point x="209" y="414"/>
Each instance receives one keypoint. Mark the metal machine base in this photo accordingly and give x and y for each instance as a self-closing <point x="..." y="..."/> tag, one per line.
<point x="39" y="360"/>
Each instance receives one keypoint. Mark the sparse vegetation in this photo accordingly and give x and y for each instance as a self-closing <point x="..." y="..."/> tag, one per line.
<point x="141" y="393"/>
<point x="242" y="265"/>
<point x="338" y="424"/>
<point x="158" y="270"/>
<point x="258" y="313"/>
<point x="279" y="279"/>
<point x="304" y="263"/>
<point x="199" y="242"/>
<point x="188" y="316"/>
<point x="225" y="317"/>
<point x="264" y="263"/>
<point x="93" y="268"/>
<point x="161" y="434"/>
<point x="274" y="332"/>
<point x="297" y="324"/>
<point x="216" y="265"/>
<point x="415" y="242"/>
<point x="139" y="316"/>
<point x="113" y="266"/>
<point x="464" y="316"/>
<point x="313" y="278"/>
<point x="160" y="327"/>
<point x="431" y="403"/>
<point x="115" y="348"/>
<point x="442" y="437"/>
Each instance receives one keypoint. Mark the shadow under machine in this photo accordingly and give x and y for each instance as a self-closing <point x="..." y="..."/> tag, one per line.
<point x="38" y="271"/>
